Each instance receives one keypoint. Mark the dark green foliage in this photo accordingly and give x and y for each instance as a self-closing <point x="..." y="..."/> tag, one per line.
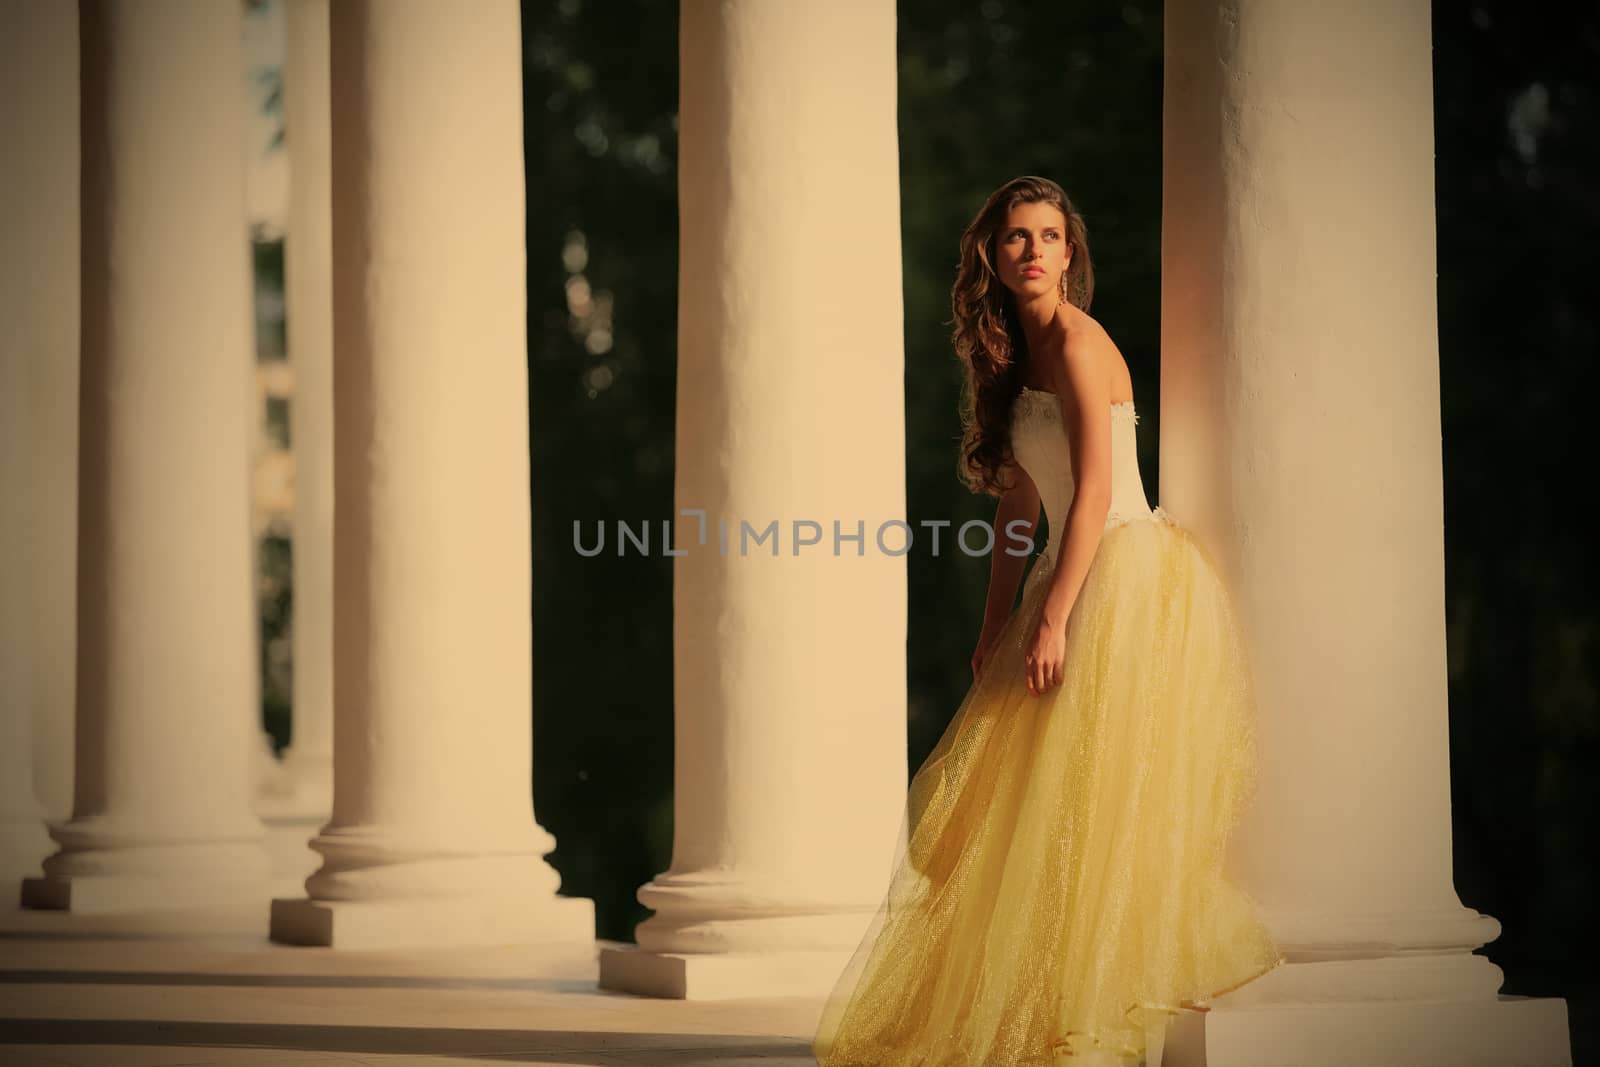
<point x="1515" y="91"/>
<point x="271" y="322"/>
<point x="275" y="608"/>
<point x="600" y="99"/>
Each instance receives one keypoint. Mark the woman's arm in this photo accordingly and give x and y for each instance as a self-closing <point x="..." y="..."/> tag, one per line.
<point x="1084" y="393"/>
<point x="1086" y="409"/>
<point x="1020" y="504"/>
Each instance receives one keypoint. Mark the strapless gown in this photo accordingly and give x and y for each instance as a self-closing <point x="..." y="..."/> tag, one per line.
<point x="1059" y="891"/>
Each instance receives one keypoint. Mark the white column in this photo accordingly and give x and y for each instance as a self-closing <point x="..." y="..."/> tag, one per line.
<point x="39" y="305"/>
<point x="1301" y="438"/>
<point x="789" y="695"/>
<point x="433" y="836"/>
<point x="299" y="798"/>
<point x="166" y="673"/>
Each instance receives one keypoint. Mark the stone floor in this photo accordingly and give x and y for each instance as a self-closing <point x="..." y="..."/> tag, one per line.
<point x="88" y="991"/>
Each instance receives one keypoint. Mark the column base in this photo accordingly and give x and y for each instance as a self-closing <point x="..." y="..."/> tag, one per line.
<point x="1322" y="935"/>
<point x="109" y="864"/>
<point x="1447" y="976"/>
<point x="1503" y="1031"/>
<point x="104" y="894"/>
<point x="729" y="913"/>
<point x="421" y="922"/>
<point x="721" y="975"/>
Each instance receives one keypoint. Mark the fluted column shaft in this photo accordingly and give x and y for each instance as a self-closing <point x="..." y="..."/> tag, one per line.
<point x="166" y="677"/>
<point x="1301" y="439"/>
<point x="433" y="836"/>
<point x="789" y="690"/>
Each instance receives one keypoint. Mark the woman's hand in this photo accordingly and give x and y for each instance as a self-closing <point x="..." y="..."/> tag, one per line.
<point x="986" y="642"/>
<point x="1043" y="666"/>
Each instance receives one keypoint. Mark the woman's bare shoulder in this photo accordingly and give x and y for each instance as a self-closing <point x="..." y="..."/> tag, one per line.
<point x="1079" y="325"/>
<point x="1079" y="336"/>
<point x="1085" y="338"/>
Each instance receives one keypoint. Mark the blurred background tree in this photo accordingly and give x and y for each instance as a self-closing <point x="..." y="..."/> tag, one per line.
<point x="600" y="104"/>
<point x="1517" y="161"/>
<point x="272" y="466"/>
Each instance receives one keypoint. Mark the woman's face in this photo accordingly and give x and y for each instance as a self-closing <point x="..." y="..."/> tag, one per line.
<point x="1031" y="250"/>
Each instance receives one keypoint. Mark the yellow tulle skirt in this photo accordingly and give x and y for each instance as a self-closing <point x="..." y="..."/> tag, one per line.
<point x="1058" y="892"/>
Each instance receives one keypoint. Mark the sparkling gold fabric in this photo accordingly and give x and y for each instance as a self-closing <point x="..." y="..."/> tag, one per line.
<point x="1059" y="892"/>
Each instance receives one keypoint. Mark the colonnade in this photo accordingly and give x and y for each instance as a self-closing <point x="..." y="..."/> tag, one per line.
<point x="1300" y="440"/>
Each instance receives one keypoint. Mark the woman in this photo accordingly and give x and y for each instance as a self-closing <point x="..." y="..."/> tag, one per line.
<point x="1059" y="891"/>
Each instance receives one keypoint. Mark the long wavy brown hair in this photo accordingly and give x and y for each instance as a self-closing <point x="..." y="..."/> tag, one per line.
<point x="988" y="338"/>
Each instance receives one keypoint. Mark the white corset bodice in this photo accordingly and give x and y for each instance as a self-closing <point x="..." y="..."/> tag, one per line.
<point x="1039" y="442"/>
